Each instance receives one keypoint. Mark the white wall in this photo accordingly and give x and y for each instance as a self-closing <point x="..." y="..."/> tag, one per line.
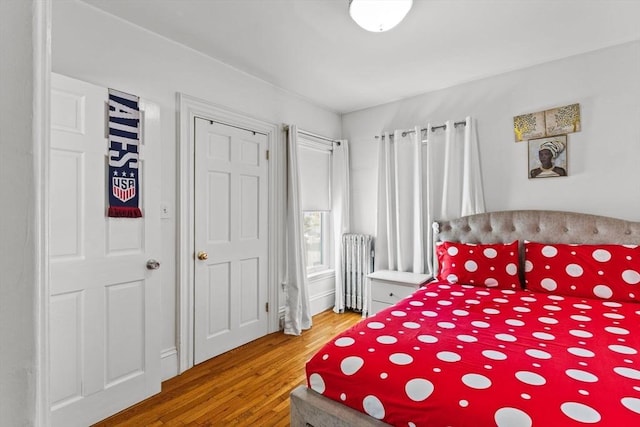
<point x="22" y="67"/>
<point x="90" y="45"/>
<point x="603" y="159"/>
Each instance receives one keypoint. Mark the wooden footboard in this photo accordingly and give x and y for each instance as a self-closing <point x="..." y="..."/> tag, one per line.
<point x="309" y="408"/>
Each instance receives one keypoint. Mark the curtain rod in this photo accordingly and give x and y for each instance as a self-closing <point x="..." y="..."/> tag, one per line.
<point x="314" y="135"/>
<point x="433" y="129"/>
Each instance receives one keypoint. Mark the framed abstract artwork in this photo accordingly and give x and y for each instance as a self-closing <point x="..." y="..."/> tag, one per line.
<point x="552" y="122"/>
<point x="562" y="120"/>
<point x="529" y="126"/>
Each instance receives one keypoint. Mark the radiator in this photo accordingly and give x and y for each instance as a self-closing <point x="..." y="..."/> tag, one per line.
<point x="357" y="263"/>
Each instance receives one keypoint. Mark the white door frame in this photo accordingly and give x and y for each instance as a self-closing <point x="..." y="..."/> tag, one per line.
<point x="189" y="108"/>
<point x="41" y="31"/>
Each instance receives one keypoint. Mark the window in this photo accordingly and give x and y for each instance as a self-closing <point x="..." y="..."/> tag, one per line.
<point x="317" y="241"/>
<point x="315" y="194"/>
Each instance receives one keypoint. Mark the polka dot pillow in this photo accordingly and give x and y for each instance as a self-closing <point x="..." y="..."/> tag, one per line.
<point x="490" y="265"/>
<point x="600" y="271"/>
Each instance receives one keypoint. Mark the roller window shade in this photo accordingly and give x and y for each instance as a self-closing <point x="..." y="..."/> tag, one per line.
<point x="315" y="177"/>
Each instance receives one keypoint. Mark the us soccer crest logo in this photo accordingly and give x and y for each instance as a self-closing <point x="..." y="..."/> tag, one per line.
<point x="124" y="189"/>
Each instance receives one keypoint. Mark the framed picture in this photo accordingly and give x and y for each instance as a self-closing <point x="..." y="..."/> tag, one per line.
<point x="548" y="157"/>
<point x="562" y="120"/>
<point x="528" y="126"/>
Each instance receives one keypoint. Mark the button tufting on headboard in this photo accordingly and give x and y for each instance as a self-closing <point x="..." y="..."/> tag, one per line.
<point x="542" y="226"/>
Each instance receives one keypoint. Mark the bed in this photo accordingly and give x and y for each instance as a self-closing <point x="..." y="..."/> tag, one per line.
<point x="473" y="348"/>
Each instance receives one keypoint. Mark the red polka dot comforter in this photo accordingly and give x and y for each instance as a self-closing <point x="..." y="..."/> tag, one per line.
<point x="459" y="355"/>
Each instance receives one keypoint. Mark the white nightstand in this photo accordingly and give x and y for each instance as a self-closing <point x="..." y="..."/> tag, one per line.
<point x="388" y="287"/>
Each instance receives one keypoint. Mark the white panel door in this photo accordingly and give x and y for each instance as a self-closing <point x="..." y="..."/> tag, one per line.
<point x="104" y="302"/>
<point x="231" y="238"/>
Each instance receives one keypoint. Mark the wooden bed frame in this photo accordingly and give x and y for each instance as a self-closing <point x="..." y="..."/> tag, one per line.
<point x="309" y="408"/>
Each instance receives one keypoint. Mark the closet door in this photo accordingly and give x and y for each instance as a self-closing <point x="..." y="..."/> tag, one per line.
<point x="231" y="238"/>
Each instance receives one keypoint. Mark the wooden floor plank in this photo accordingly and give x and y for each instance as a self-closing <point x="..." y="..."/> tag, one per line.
<point x="246" y="386"/>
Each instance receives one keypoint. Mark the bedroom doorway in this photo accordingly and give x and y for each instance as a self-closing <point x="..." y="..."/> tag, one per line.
<point x="230" y="237"/>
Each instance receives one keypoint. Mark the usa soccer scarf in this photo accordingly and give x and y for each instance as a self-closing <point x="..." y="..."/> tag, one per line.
<point x="124" y="138"/>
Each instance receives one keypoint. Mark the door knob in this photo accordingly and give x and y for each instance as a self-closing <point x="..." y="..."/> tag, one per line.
<point x="202" y="255"/>
<point x="152" y="264"/>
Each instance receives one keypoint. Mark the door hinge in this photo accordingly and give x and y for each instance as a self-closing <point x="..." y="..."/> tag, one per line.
<point x="267" y="154"/>
<point x="266" y="307"/>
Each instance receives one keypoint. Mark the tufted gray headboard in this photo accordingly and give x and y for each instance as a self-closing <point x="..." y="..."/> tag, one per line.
<point x="537" y="226"/>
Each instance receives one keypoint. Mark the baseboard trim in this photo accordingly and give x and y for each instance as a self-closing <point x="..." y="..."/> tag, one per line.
<point x="322" y="302"/>
<point x="169" y="363"/>
<point x="319" y="303"/>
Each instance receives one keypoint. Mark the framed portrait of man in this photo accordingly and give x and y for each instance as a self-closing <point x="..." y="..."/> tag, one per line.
<point x="548" y="157"/>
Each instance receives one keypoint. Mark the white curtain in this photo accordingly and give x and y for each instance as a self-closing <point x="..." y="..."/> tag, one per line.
<point x="419" y="183"/>
<point x="454" y="179"/>
<point x="340" y="212"/>
<point x="297" y="315"/>
<point x="472" y="193"/>
<point x="399" y="228"/>
<point x="462" y="192"/>
<point x="429" y="155"/>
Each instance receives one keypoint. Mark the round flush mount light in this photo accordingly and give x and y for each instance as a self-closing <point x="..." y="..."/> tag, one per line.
<point x="379" y="15"/>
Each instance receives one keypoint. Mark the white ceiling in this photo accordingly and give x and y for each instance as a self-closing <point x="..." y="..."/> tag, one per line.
<point x="314" y="49"/>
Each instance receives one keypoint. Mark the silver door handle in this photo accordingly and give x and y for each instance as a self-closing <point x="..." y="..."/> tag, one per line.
<point x="152" y="264"/>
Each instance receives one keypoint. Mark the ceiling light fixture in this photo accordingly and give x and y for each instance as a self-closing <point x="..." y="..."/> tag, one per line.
<point x="379" y="15"/>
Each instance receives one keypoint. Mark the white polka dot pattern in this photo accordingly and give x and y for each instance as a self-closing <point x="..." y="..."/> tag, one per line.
<point x="492" y="265"/>
<point x="489" y="357"/>
<point x="600" y="271"/>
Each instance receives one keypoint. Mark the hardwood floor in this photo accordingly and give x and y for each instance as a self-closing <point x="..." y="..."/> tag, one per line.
<point x="248" y="386"/>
